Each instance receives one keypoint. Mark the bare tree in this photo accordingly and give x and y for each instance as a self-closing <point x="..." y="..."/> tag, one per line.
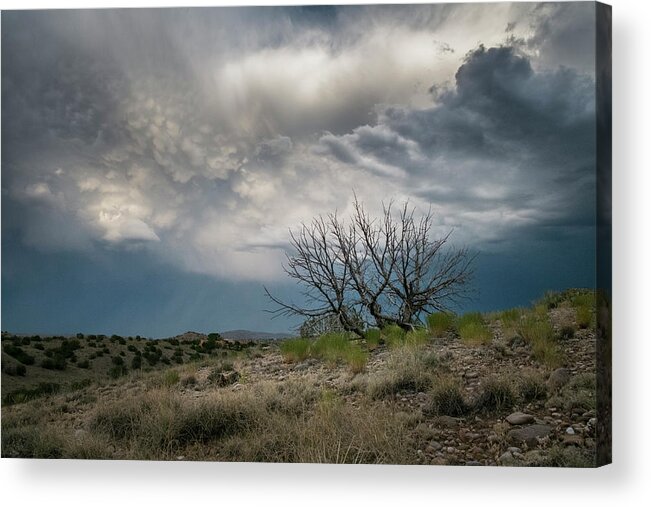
<point x="376" y="272"/>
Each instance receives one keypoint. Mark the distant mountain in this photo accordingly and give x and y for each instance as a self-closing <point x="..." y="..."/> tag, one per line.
<point x="190" y="336"/>
<point x="243" y="334"/>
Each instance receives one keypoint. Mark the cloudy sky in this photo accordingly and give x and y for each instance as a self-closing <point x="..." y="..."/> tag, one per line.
<point x="154" y="160"/>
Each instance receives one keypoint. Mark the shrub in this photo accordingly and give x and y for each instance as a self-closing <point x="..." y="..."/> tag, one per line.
<point x="83" y="364"/>
<point x="552" y="299"/>
<point x="510" y="317"/>
<point x="295" y="349"/>
<point x="170" y="378"/>
<point x="406" y="370"/>
<point x="532" y="387"/>
<point x="54" y="363"/>
<point x="136" y="362"/>
<point x="118" y="371"/>
<point x="417" y="337"/>
<point x="496" y="395"/>
<point x="566" y="332"/>
<point x="472" y="329"/>
<point x="336" y="347"/>
<point x="440" y="323"/>
<point x="394" y="335"/>
<point x="18" y="354"/>
<point x="80" y="384"/>
<point x="356" y="359"/>
<point x="583" y="317"/>
<point x="19" y="370"/>
<point x="373" y="338"/>
<point x="188" y="380"/>
<point x="446" y="399"/>
<point x="569" y="457"/>
<point x="24" y="394"/>
<point x="539" y="334"/>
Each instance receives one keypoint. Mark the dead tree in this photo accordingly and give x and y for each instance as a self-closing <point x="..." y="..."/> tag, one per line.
<point x="374" y="272"/>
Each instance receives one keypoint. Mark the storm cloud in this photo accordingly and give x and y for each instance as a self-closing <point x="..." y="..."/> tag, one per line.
<point x="196" y="138"/>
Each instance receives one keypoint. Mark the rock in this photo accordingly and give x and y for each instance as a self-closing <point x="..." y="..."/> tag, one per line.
<point x="435" y="445"/>
<point x="558" y="378"/>
<point x="570" y="430"/>
<point x="529" y="434"/>
<point x="448" y="421"/>
<point x="473" y="464"/>
<point x="507" y="459"/>
<point x="513" y="450"/>
<point x="517" y="418"/>
<point x="572" y="440"/>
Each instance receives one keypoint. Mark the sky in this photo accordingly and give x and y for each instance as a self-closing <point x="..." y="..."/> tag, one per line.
<point x="154" y="161"/>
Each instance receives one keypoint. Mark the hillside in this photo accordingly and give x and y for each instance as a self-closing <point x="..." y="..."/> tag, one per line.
<point x="513" y="388"/>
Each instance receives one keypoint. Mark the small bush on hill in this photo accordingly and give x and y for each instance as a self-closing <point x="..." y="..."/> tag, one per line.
<point x="295" y="349"/>
<point x="18" y="354"/>
<point x="440" y="323"/>
<point x="446" y="399"/>
<point x="496" y="395"/>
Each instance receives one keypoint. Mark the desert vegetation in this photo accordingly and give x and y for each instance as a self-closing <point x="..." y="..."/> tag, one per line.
<point x="514" y="388"/>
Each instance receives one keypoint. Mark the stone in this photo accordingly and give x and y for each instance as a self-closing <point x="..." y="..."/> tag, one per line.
<point x="572" y="440"/>
<point x="448" y="421"/>
<point x="517" y="418"/>
<point x="529" y="434"/>
<point x="435" y="445"/>
<point x="558" y="378"/>
<point x="570" y="430"/>
<point x="507" y="459"/>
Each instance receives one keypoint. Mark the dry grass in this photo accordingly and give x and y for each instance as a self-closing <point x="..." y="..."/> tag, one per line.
<point x="407" y="369"/>
<point x="446" y="399"/>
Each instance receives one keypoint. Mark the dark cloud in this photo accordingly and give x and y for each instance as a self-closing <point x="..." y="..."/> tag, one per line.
<point x="506" y="138"/>
<point x="194" y="138"/>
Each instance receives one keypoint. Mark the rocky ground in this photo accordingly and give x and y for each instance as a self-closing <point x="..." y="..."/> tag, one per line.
<point x="556" y="428"/>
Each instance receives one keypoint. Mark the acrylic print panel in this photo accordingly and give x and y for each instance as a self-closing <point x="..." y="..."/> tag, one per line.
<point x="341" y="234"/>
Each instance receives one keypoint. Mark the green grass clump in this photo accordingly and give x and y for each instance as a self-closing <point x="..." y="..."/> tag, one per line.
<point x="539" y="334"/>
<point x="446" y="399"/>
<point x="394" y="335"/>
<point x="170" y="378"/>
<point x="583" y="317"/>
<point x="373" y="338"/>
<point x="356" y="359"/>
<point x="295" y="349"/>
<point x="584" y="304"/>
<point x="472" y="329"/>
<point x="335" y="347"/>
<point x="440" y="323"/>
<point x="510" y="317"/>
<point x="496" y="395"/>
<point x="331" y="347"/>
<point x="417" y="337"/>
